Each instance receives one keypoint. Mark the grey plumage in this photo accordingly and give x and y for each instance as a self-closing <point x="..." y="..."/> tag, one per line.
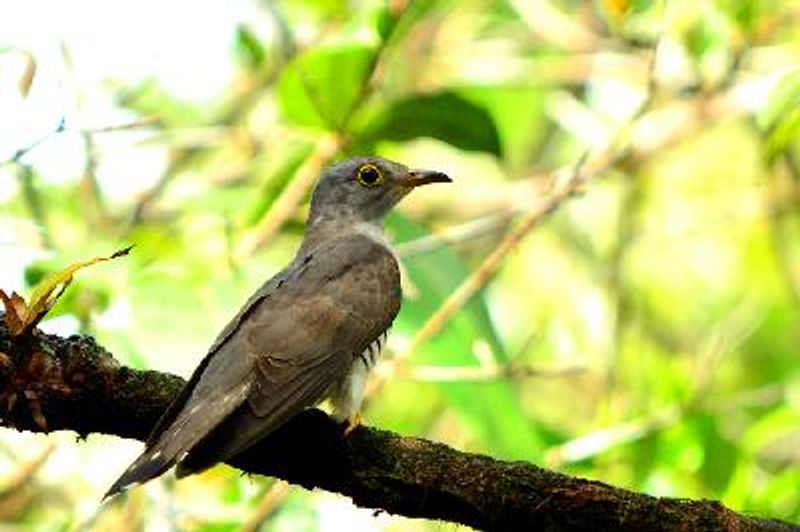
<point x="309" y="333"/>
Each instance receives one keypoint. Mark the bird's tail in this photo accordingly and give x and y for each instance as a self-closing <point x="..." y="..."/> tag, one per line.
<point x="187" y="421"/>
<point x="150" y="464"/>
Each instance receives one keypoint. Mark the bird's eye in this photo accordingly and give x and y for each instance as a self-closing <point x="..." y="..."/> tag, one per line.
<point x="369" y="175"/>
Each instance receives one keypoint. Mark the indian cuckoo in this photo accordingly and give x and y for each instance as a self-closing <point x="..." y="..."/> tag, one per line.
<point x="312" y="332"/>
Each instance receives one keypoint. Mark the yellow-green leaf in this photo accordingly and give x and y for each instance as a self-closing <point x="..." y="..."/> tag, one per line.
<point x="42" y="298"/>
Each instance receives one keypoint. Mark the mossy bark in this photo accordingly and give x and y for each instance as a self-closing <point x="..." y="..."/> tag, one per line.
<point x="51" y="383"/>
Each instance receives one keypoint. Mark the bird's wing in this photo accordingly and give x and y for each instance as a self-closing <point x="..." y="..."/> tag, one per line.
<point x="170" y="438"/>
<point x="339" y="306"/>
<point x="285" y="350"/>
<point x="168" y="417"/>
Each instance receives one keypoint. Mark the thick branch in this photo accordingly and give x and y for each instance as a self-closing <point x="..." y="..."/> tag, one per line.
<point x="74" y="384"/>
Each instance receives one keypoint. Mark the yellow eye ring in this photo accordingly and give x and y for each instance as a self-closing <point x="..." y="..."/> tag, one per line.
<point x="369" y="175"/>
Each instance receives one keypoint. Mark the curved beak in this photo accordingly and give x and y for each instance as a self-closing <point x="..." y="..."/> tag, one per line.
<point x="416" y="178"/>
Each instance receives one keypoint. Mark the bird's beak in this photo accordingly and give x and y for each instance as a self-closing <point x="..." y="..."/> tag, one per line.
<point x="416" y="178"/>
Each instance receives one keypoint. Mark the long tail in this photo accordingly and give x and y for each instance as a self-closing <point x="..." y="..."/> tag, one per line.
<point x="196" y="419"/>
<point x="162" y="451"/>
<point x="150" y="464"/>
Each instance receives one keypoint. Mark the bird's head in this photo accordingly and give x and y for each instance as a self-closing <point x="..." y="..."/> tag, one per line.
<point x="366" y="189"/>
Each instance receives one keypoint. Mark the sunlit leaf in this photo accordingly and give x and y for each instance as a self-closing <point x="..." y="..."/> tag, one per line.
<point x="150" y="98"/>
<point x="445" y="116"/>
<point x="780" y="117"/>
<point x="321" y="87"/>
<point x="770" y="428"/>
<point x="249" y="48"/>
<point x="28" y="73"/>
<point x="719" y="459"/>
<point x="45" y="294"/>
<point x="282" y="167"/>
<point x="518" y="115"/>
<point x="384" y="21"/>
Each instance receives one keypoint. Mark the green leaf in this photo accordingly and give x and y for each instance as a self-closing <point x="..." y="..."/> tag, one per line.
<point x="518" y="113"/>
<point x="490" y="410"/>
<point x="249" y="48"/>
<point x="710" y="42"/>
<point x="747" y="14"/>
<point x="720" y="456"/>
<point x="780" y="117"/>
<point x="416" y="12"/>
<point x="771" y="427"/>
<point x="48" y="290"/>
<point x="322" y="87"/>
<point x="282" y="167"/>
<point x="150" y="98"/>
<point x="384" y="22"/>
<point x="445" y="116"/>
<point x="699" y="40"/>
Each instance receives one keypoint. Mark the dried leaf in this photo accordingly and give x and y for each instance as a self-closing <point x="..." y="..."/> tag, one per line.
<point x="26" y="79"/>
<point x="16" y="310"/>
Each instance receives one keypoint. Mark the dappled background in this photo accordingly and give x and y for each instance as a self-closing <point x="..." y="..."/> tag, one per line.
<point x="645" y="333"/>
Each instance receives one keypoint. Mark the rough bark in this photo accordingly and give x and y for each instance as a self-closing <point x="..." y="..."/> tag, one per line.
<point x="51" y="383"/>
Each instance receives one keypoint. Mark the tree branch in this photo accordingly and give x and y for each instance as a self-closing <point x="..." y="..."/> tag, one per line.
<point x="51" y="383"/>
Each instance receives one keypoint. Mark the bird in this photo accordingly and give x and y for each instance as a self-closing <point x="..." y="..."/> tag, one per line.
<point x="310" y="333"/>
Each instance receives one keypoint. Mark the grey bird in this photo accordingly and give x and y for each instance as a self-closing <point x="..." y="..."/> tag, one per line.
<point x="310" y="333"/>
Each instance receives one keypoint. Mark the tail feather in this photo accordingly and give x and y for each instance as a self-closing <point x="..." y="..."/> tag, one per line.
<point x="221" y="443"/>
<point x="149" y="465"/>
<point x="170" y="443"/>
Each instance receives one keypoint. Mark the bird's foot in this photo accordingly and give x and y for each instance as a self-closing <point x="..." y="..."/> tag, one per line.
<point x="351" y="423"/>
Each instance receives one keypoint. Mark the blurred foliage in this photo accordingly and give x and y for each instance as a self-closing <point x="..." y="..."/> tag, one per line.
<point x="647" y="335"/>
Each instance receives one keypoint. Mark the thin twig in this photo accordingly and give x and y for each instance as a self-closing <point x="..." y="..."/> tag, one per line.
<point x="61" y="128"/>
<point x="491" y="264"/>
<point x="473" y="229"/>
<point x="285" y="205"/>
<point x="780" y="217"/>
<point x="546" y="21"/>
<point x="23" y="474"/>
<point x="89" y="185"/>
<point x="25" y="176"/>
<point x="486" y="373"/>
<point x="144" y="122"/>
<point x="270" y="502"/>
<point x="627" y="225"/>
<point x="20" y="153"/>
<point x="600" y="441"/>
